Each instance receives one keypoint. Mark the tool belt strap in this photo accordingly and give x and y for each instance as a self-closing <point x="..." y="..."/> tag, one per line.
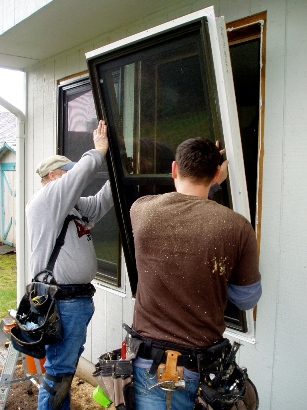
<point x="152" y="349"/>
<point x="159" y="356"/>
<point x="155" y="350"/>
<point x="75" y="291"/>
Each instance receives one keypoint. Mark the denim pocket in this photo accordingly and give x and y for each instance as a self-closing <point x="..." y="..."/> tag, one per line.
<point x="155" y="398"/>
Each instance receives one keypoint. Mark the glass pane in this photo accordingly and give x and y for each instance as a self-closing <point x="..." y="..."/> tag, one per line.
<point x="78" y="138"/>
<point x="158" y="100"/>
<point x="154" y="94"/>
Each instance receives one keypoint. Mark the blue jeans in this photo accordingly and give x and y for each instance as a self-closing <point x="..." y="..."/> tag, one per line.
<point x="155" y="399"/>
<point x="63" y="357"/>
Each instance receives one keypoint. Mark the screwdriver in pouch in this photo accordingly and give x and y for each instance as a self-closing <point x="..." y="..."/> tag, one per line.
<point x="39" y="300"/>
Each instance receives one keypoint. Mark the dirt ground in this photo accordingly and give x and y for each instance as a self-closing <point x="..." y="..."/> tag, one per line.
<point x="19" y="399"/>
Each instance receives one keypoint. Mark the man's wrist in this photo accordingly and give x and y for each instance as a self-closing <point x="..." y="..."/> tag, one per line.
<point x="103" y="152"/>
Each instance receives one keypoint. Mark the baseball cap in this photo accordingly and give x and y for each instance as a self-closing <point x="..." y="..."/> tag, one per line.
<point x="52" y="163"/>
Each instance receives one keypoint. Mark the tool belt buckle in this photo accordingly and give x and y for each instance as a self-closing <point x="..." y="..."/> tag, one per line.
<point x="169" y="375"/>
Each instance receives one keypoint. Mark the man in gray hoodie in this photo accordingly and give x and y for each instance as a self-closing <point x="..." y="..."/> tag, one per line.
<point x="63" y="182"/>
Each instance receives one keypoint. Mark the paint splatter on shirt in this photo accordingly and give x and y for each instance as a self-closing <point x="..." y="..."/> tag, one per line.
<point x="187" y="250"/>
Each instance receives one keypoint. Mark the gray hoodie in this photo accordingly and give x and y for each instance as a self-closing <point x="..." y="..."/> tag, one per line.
<point x="47" y="210"/>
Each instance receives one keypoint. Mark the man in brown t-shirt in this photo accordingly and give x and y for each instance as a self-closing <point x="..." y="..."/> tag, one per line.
<point x="192" y="254"/>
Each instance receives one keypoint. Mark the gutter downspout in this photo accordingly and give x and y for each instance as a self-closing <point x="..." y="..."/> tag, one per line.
<point x="20" y="195"/>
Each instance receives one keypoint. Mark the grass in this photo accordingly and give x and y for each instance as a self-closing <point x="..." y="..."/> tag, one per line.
<point x="8" y="283"/>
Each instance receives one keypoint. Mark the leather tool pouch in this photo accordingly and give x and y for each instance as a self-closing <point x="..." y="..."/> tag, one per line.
<point x="249" y="401"/>
<point x="38" y="321"/>
<point x="115" y="377"/>
<point x="223" y="384"/>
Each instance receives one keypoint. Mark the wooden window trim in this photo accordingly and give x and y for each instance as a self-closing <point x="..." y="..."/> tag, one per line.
<point x="243" y="30"/>
<point x="72" y="77"/>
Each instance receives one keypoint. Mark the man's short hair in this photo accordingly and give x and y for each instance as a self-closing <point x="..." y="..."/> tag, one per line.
<point x="198" y="159"/>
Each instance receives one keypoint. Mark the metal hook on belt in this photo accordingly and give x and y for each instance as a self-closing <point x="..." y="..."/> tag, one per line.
<point x="170" y="376"/>
<point x="169" y="385"/>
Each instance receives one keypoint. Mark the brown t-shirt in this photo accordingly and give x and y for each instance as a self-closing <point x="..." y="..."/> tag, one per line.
<point x="187" y="249"/>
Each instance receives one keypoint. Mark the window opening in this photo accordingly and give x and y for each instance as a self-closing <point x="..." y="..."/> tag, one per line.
<point x="247" y="49"/>
<point x="246" y="43"/>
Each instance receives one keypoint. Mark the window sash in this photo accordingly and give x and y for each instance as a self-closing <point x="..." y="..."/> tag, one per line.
<point x="213" y="47"/>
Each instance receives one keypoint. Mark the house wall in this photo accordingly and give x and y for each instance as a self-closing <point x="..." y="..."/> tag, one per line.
<point x="275" y="363"/>
<point x="14" y="11"/>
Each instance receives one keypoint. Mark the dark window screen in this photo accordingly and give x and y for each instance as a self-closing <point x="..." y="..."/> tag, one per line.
<point x="77" y="121"/>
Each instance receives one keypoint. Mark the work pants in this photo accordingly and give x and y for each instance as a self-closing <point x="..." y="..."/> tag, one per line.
<point x="62" y="358"/>
<point x="155" y="399"/>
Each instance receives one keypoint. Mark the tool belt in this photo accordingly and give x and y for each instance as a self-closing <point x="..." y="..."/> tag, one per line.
<point x="156" y="350"/>
<point x="152" y="349"/>
<point x="170" y="359"/>
<point x="223" y="384"/>
<point x="76" y="291"/>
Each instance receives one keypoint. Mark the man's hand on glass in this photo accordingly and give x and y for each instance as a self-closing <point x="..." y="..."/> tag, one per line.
<point x="100" y="137"/>
<point x="224" y="166"/>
